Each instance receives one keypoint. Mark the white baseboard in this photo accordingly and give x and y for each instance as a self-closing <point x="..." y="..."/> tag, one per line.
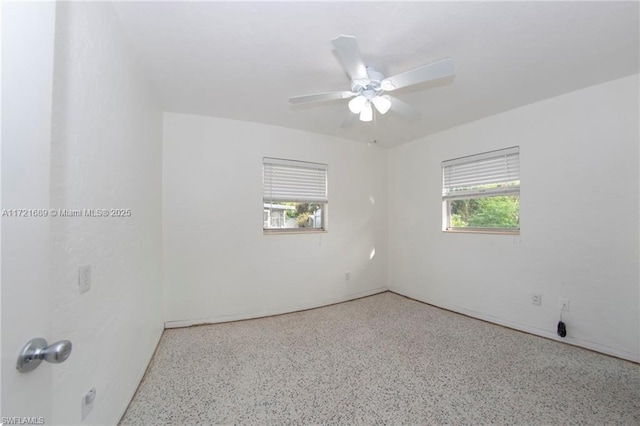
<point x="279" y="311"/>
<point x="597" y="347"/>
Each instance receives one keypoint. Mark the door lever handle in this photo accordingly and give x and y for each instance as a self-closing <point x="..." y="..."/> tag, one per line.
<point x="37" y="350"/>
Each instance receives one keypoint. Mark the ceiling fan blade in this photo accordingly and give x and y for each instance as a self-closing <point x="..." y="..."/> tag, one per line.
<point x="403" y="109"/>
<point x="349" y="53"/>
<point x="440" y="69"/>
<point x="320" y="97"/>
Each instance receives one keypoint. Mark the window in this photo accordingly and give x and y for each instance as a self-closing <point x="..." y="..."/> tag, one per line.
<point x="482" y="192"/>
<point x="294" y="195"/>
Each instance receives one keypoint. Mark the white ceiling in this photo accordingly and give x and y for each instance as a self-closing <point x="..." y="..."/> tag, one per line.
<point x="243" y="60"/>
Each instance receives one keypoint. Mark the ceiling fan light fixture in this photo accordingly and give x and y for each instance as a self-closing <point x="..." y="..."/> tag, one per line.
<point x="367" y="112"/>
<point x="382" y="104"/>
<point x="356" y="104"/>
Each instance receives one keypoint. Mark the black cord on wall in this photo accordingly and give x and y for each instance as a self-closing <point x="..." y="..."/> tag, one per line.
<point x="562" y="327"/>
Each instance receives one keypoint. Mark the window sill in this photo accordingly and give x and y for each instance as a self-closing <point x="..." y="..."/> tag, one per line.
<point x="292" y="232"/>
<point x="480" y="231"/>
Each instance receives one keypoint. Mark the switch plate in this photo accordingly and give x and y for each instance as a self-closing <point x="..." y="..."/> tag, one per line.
<point x="87" y="402"/>
<point x="347" y="275"/>
<point x="564" y="304"/>
<point x="84" y="278"/>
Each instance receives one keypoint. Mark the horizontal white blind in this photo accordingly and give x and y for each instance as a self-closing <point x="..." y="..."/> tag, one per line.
<point x="471" y="175"/>
<point x="288" y="180"/>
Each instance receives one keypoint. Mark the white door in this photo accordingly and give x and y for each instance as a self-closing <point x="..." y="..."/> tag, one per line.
<point x="27" y="80"/>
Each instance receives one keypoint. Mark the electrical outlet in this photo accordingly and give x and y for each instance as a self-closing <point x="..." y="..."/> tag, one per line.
<point x="347" y="276"/>
<point x="87" y="402"/>
<point x="536" y="299"/>
<point x="84" y="278"/>
<point x="564" y="304"/>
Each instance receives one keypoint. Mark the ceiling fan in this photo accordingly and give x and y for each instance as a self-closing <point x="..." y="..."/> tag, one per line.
<point x="368" y="86"/>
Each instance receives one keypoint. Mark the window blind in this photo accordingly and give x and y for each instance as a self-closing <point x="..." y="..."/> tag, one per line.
<point x="468" y="176"/>
<point x="288" y="180"/>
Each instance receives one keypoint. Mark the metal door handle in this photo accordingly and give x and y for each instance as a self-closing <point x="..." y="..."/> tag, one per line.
<point x="37" y="350"/>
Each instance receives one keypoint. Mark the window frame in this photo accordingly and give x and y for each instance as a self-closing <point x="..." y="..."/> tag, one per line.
<point x="481" y="193"/>
<point x="316" y="192"/>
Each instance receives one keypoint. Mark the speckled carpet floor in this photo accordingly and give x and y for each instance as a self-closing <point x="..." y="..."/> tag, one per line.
<point x="384" y="359"/>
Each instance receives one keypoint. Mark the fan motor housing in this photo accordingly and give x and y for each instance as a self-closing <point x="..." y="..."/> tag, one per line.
<point x="369" y="87"/>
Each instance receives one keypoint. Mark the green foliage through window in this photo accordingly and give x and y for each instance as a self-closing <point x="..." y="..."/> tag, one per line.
<point x="302" y="213"/>
<point x="293" y="215"/>
<point x="488" y="212"/>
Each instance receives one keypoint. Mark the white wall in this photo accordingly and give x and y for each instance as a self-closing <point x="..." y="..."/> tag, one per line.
<point x="578" y="242"/>
<point x="219" y="266"/>
<point x="106" y="153"/>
